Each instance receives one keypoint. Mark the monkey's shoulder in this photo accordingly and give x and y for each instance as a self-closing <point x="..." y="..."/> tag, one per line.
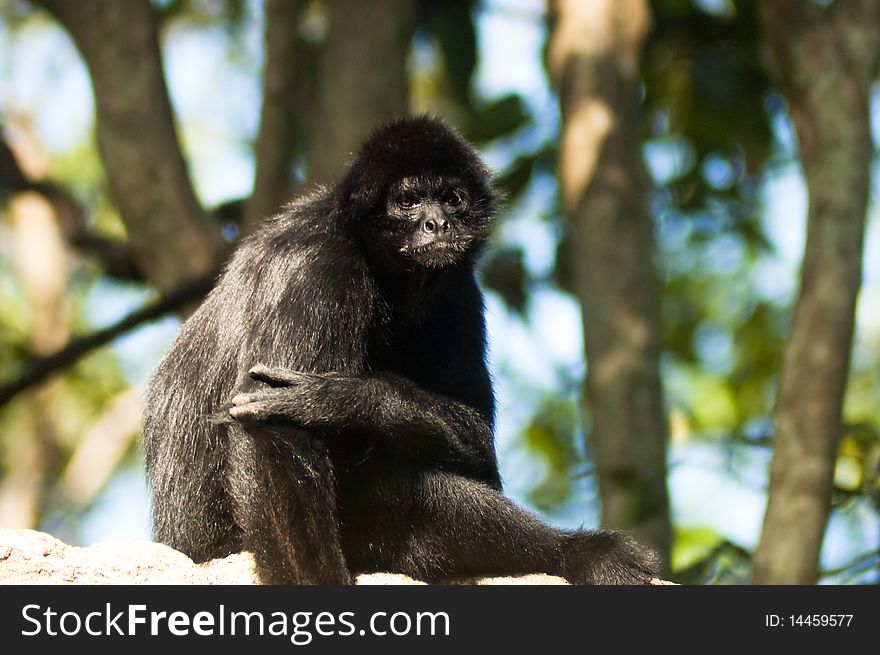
<point x="303" y="247"/>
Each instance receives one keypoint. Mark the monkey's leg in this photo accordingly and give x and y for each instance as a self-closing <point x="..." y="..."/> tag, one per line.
<point x="436" y="525"/>
<point x="284" y="500"/>
<point x="190" y="505"/>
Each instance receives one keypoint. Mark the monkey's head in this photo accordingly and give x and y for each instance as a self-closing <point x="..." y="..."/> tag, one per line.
<point x="419" y="194"/>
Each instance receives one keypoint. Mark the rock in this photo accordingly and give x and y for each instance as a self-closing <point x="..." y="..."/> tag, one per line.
<point x="31" y="557"/>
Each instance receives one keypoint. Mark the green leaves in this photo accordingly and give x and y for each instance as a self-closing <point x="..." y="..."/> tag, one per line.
<point x="552" y="436"/>
<point x="499" y="118"/>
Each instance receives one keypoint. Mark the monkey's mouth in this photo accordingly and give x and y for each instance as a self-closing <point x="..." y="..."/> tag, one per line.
<point x="437" y="254"/>
<point x="434" y="246"/>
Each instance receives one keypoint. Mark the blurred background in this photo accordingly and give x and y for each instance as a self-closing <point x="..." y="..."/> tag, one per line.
<point x="683" y="291"/>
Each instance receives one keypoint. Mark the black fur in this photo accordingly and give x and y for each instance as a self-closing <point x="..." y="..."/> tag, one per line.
<point x="328" y="406"/>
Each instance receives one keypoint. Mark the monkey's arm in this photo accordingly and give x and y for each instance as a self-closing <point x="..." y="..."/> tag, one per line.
<point x="409" y="420"/>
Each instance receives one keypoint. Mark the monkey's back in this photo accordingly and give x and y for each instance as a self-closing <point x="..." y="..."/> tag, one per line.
<point x="281" y="296"/>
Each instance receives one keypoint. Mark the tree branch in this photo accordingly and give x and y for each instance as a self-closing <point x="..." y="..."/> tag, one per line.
<point x="40" y="368"/>
<point x="170" y="235"/>
<point x="282" y="76"/>
<point x="355" y="91"/>
<point x="114" y="257"/>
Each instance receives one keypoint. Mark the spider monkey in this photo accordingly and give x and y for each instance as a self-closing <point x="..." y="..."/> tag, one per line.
<point x="328" y="407"/>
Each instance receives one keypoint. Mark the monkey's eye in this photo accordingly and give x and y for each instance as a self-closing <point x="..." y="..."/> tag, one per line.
<point x="452" y="198"/>
<point x="407" y="200"/>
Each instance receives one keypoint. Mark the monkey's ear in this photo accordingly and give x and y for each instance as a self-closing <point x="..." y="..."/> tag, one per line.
<point x="361" y="190"/>
<point x="363" y="198"/>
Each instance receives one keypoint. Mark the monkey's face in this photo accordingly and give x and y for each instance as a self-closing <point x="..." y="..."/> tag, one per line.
<point x="434" y="222"/>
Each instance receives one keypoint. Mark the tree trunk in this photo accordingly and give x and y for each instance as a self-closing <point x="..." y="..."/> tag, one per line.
<point x="282" y="79"/>
<point x="362" y="78"/>
<point x="824" y="60"/>
<point x="594" y="56"/>
<point x="171" y="236"/>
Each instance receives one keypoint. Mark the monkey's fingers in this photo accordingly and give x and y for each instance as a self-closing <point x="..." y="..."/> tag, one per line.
<point x="285" y="377"/>
<point x="276" y="377"/>
<point x="266" y="405"/>
<point x="254" y="412"/>
<point x="244" y="398"/>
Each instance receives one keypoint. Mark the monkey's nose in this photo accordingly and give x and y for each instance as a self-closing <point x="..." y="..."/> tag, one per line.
<point x="435" y="225"/>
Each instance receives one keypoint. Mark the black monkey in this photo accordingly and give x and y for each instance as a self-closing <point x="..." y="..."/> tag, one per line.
<point x="328" y="406"/>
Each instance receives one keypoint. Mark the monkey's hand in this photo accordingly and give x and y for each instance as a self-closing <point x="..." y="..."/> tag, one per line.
<point x="285" y="377"/>
<point x="304" y="399"/>
<point x="411" y="421"/>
